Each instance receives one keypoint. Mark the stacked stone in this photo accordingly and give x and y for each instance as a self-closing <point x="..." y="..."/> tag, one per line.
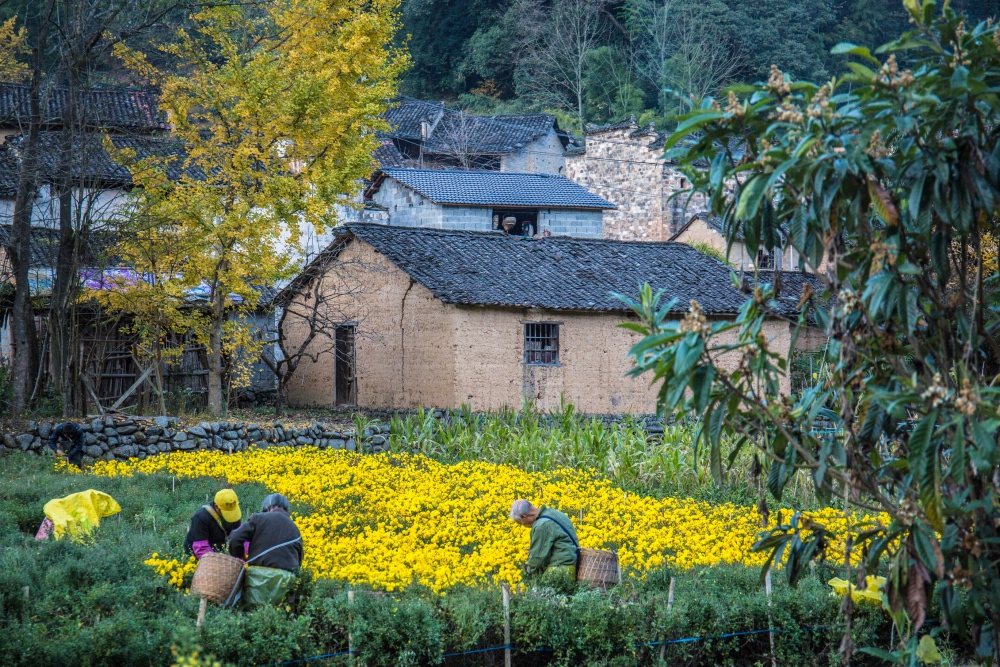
<point x="110" y="438"/>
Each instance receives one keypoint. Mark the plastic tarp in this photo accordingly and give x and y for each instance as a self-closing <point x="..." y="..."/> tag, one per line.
<point x="79" y="513"/>
<point x="265" y="586"/>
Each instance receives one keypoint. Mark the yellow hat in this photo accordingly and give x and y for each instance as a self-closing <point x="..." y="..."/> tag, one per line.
<point x="229" y="504"/>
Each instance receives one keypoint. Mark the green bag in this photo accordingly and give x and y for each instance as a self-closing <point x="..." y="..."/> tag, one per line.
<point x="265" y="586"/>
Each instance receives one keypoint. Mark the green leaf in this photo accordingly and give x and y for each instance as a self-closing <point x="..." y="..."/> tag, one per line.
<point x="927" y="651"/>
<point x="865" y="74"/>
<point x="923" y="460"/>
<point x="939" y="255"/>
<point x="695" y="122"/>
<point x="888" y="656"/>
<point x="925" y="548"/>
<point x="750" y="196"/>
<point x="956" y="469"/>
<point x="854" y="50"/>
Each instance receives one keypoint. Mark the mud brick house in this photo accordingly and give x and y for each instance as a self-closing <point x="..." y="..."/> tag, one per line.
<point x="490" y="320"/>
<point x="518" y="203"/>
<point x="429" y="135"/>
<point x="624" y="164"/>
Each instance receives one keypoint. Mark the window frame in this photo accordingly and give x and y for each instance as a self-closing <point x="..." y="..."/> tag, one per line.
<point x="765" y="260"/>
<point x="539" y="336"/>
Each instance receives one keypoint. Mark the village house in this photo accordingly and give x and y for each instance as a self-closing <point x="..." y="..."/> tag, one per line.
<point x="429" y="135"/>
<point x="444" y="318"/>
<point x="516" y="203"/>
<point x="129" y="118"/>
<point x="704" y="231"/>
<point x="625" y="164"/>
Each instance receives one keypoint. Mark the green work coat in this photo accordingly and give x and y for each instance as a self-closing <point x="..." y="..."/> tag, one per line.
<point x="550" y="545"/>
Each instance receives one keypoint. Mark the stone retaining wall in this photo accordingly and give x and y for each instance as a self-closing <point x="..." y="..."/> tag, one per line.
<point x="121" y="438"/>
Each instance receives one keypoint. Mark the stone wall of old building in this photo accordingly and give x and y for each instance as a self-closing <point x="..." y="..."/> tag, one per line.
<point x="624" y="164"/>
<point x="544" y="155"/>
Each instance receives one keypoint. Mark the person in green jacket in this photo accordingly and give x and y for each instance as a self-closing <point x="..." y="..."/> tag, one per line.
<point x="552" y="553"/>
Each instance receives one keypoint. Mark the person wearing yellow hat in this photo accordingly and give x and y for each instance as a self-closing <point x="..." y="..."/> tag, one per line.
<point x="212" y="524"/>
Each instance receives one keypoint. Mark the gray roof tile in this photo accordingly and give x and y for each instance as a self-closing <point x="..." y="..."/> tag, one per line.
<point x="495" y="188"/>
<point x="557" y="273"/>
<point x="107" y="108"/>
<point x="482" y="135"/>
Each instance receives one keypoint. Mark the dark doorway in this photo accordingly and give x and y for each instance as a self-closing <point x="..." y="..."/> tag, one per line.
<point x="344" y="378"/>
<point x="525" y="221"/>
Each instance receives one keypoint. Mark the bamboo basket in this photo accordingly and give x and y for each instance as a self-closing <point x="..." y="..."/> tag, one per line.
<point x="216" y="577"/>
<point x="598" y="568"/>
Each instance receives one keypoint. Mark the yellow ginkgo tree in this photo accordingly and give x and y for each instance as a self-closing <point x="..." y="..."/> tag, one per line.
<point x="273" y="110"/>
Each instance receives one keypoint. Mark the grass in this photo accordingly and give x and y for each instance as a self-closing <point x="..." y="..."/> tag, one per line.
<point x="663" y="466"/>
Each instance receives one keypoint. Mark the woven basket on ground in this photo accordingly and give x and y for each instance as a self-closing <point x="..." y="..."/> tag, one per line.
<point x="216" y="576"/>
<point x="598" y="568"/>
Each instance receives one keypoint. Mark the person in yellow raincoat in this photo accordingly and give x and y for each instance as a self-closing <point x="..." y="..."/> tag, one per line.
<point x="76" y="514"/>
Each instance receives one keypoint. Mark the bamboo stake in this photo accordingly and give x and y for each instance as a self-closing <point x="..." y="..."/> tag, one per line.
<point x="350" y="636"/>
<point x="770" y="618"/>
<point x="505" y="589"/>
<point x="670" y="607"/>
<point x="202" y="608"/>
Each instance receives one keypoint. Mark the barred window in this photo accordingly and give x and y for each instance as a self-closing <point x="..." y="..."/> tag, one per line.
<point x="541" y="343"/>
<point x="765" y="260"/>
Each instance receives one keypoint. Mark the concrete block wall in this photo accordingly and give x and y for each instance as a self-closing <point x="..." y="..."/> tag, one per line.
<point x="408" y="208"/>
<point x="467" y="218"/>
<point x="571" y="222"/>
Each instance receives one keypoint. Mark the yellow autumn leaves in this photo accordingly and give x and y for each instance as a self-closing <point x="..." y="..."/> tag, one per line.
<point x="391" y="520"/>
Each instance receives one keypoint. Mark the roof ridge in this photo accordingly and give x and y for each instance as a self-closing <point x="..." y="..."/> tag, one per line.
<point x="520" y="239"/>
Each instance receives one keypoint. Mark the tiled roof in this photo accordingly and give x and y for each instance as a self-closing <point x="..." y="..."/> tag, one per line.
<point x="629" y="123"/>
<point x="387" y="155"/>
<point x="93" y="163"/>
<point x="558" y="273"/>
<point x="8" y="175"/>
<point x="458" y="131"/>
<point x="496" y="188"/>
<point x="44" y="245"/>
<point x="108" y="108"/>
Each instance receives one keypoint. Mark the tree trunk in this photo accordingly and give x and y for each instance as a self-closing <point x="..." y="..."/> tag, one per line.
<point x="279" y="399"/>
<point x="218" y="315"/>
<point x="25" y="339"/>
<point x="65" y="267"/>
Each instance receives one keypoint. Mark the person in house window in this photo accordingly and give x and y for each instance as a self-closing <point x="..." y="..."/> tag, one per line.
<point x="74" y="434"/>
<point x="212" y="524"/>
<point x="554" y="547"/>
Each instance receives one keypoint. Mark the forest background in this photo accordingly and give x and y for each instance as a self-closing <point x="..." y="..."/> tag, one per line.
<point x="596" y="61"/>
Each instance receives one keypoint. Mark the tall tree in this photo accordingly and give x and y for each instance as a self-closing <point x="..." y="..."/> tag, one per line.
<point x="276" y="108"/>
<point x="25" y="356"/>
<point x="887" y="181"/>
<point x="555" y="72"/>
<point x="86" y="33"/>
<point x="687" y="50"/>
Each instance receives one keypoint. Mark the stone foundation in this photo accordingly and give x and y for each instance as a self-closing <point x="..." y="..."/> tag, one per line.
<point x="108" y="439"/>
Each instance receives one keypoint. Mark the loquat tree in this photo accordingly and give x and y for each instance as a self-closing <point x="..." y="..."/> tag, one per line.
<point x="887" y="183"/>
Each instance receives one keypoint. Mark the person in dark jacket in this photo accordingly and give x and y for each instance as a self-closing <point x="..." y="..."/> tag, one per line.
<point x="212" y="524"/>
<point x="272" y="545"/>
<point x="273" y="538"/>
<point x="74" y="434"/>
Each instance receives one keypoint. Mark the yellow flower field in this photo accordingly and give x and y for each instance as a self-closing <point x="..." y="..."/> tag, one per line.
<point x="389" y="520"/>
